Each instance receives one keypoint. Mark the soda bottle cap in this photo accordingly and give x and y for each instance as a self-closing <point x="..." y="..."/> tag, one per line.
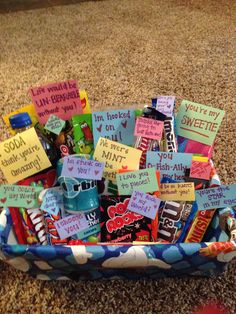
<point x="20" y="120"/>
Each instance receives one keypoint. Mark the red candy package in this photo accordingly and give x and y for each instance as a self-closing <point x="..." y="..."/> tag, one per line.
<point x="118" y="224"/>
<point x="29" y="223"/>
<point x="18" y="225"/>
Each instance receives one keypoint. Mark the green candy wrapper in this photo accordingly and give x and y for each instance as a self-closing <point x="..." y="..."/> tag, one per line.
<point x="83" y="136"/>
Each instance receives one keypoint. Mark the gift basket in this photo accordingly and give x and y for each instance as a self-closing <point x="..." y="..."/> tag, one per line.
<point x="124" y="193"/>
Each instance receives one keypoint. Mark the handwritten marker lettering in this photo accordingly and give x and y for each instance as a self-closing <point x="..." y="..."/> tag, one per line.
<point x="200" y="170"/>
<point x="22" y="156"/>
<point x="170" y="165"/>
<point x="55" y="124"/>
<point x="71" y="225"/>
<point x="19" y="196"/>
<point x="223" y="196"/>
<point x="142" y="180"/>
<point x="144" y="204"/>
<point x="61" y="99"/>
<point x="116" y="156"/>
<point x="149" y="128"/>
<point x="198" y="122"/>
<point x="82" y="168"/>
<point x="116" y="125"/>
<point x="52" y="200"/>
<point x="165" y="104"/>
<point x="177" y="191"/>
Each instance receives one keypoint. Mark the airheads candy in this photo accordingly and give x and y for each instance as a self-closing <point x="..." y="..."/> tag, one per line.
<point x="118" y="224"/>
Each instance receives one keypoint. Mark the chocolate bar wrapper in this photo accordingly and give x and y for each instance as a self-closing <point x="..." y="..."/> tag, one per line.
<point x="199" y="225"/>
<point x="174" y="220"/>
<point x="118" y="224"/>
<point x="93" y="233"/>
<point x="82" y="134"/>
<point x="170" y="140"/>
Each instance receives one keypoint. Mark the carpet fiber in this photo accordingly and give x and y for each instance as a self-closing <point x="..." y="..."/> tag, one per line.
<point x="122" y="53"/>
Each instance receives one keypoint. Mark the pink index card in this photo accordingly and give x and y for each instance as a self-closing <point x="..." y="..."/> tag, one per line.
<point x="60" y="99"/>
<point x="149" y="128"/>
<point x="200" y="170"/>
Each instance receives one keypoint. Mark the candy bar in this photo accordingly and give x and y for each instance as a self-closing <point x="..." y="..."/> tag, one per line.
<point x="118" y="224"/>
<point x="199" y="226"/>
<point x="170" y="140"/>
<point x="174" y="219"/>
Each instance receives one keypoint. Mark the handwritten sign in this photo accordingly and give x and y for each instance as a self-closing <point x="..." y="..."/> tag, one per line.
<point x="177" y="191"/>
<point x="22" y="156"/>
<point x="198" y="122"/>
<point x="52" y="200"/>
<point x="60" y="99"/>
<point x="149" y="128"/>
<point x="19" y="196"/>
<point x="70" y="225"/>
<point x="54" y="124"/>
<point x="144" y="204"/>
<point x="116" y="125"/>
<point x="116" y="156"/>
<point x="200" y="170"/>
<point x="220" y="197"/>
<point x="164" y="104"/>
<point x="82" y="168"/>
<point x="170" y="165"/>
<point x="144" y="180"/>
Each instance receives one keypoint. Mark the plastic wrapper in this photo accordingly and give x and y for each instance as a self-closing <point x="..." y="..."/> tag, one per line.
<point x="93" y="232"/>
<point x="118" y="224"/>
<point x="199" y="225"/>
<point x="170" y="139"/>
<point x="28" y="224"/>
<point x="82" y="133"/>
<point x="17" y="224"/>
<point x="174" y="220"/>
<point x="52" y="236"/>
<point x="198" y="183"/>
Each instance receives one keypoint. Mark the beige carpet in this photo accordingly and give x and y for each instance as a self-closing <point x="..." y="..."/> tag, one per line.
<point x="124" y="52"/>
